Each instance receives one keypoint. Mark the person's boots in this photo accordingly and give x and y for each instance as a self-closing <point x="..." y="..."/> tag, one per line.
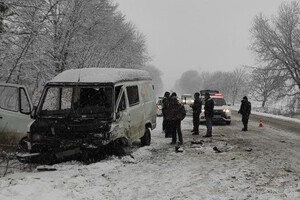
<point x="208" y="134"/>
<point x="196" y="132"/>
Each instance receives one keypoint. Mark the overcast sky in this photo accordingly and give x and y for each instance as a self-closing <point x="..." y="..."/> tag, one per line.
<point x="202" y="35"/>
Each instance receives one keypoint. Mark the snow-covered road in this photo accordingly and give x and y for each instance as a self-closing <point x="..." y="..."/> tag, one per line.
<point x="263" y="163"/>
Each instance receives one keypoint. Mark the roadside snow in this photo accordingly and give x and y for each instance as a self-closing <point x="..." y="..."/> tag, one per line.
<point x="237" y="107"/>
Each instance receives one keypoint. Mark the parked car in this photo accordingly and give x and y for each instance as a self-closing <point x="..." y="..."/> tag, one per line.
<point x="83" y="110"/>
<point x="222" y="112"/>
<point x="159" y="106"/>
<point x="15" y="109"/>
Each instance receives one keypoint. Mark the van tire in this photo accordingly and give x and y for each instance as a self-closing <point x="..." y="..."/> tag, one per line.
<point x="228" y="123"/>
<point x="146" y="139"/>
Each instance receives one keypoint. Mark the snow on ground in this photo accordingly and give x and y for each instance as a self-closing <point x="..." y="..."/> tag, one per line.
<point x="242" y="170"/>
<point x="237" y="107"/>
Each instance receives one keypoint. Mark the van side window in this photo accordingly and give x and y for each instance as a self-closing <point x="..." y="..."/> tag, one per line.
<point x="25" y="106"/>
<point x="9" y="98"/>
<point x="117" y="92"/>
<point x="122" y="105"/>
<point x="133" y="95"/>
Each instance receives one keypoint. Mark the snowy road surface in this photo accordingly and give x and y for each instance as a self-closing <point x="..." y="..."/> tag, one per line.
<point x="263" y="163"/>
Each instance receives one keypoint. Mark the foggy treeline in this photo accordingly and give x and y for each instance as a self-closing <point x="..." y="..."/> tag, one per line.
<point x="231" y="84"/>
<point x="276" y="77"/>
<point x="41" y="38"/>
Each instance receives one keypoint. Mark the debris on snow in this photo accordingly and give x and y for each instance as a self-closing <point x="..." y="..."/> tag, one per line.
<point x="248" y="149"/>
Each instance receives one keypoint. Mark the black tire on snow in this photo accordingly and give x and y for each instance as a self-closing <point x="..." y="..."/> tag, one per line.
<point x="22" y="148"/>
<point x="146" y="139"/>
<point x="228" y="123"/>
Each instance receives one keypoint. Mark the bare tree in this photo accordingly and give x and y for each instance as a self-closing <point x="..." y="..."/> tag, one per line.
<point x="238" y="83"/>
<point x="277" y="40"/>
<point x="44" y="37"/>
<point x="266" y="83"/>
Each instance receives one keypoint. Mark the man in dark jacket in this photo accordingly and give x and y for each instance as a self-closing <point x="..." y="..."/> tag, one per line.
<point x="175" y="113"/>
<point x="165" y="102"/>
<point x="209" y="113"/>
<point x="245" y="111"/>
<point x="196" y="113"/>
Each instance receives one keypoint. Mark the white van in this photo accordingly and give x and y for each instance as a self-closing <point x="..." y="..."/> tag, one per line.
<point x="83" y="109"/>
<point x="15" y="109"/>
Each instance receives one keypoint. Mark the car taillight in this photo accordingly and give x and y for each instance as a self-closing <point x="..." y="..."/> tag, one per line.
<point x="218" y="94"/>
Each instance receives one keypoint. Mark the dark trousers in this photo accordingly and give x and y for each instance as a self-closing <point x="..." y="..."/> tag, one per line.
<point x="196" y="122"/>
<point x="164" y="123"/>
<point x="208" y="125"/>
<point x="175" y="127"/>
<point x="168" y="128"/>
<point x="245" y="119"/>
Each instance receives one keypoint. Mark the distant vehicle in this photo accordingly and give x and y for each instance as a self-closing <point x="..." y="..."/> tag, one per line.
<point x="159" y="106"/>
<point x="187" y="100"/>
<point x="210" y="92"/>
<point x="83" y="110"/>
<point x="222" y="113"/>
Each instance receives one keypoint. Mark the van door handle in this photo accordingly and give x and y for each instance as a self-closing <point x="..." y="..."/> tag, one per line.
<point x="1" y="117"/>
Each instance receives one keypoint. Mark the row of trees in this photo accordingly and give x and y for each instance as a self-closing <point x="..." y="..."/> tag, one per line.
<point x="276" y="43"/>
<point x="232" y="84"/>
<point x="41" y="38"/>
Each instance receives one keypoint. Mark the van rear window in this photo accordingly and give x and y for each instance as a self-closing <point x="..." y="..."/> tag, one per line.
<point x="9" y="98"/>
<point x="133" y="95"/>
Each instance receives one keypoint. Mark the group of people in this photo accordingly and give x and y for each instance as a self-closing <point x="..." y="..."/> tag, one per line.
<point x="208" y="113"/>
<point x="174" y="112"/>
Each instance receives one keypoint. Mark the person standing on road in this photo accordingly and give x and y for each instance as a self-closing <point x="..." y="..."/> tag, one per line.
<point x="175" y="113"/>
<point x="197" y="105"/>
<point x="209" y="113"/>
<point x="245" y="111"/>
<point x="165" y="102"/>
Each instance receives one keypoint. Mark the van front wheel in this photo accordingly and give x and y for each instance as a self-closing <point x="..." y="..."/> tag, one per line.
<point x="146" y="139"/>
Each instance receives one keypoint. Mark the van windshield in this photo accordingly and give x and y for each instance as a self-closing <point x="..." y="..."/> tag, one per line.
<point x="77" y="101"/>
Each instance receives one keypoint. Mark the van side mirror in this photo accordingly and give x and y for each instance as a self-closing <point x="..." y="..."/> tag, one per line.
<point x="33" y="112"/>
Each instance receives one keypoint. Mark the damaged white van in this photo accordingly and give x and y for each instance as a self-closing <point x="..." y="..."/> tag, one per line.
<point x="83" y="110"/>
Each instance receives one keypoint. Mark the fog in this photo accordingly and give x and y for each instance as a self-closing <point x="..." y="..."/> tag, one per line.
<point x="201" y="35"/>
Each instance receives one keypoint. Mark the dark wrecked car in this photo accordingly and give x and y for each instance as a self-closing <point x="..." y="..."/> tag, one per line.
<point x="82" y="112"/>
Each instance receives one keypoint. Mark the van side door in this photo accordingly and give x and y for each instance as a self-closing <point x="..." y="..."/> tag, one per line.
<point x="15" y="110"/>
<point x="135" y="112"/>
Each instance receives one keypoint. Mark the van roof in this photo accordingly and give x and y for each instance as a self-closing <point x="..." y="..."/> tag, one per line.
<point x="100" y="75"/>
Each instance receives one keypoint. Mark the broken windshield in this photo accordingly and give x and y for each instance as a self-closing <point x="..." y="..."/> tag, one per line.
<point x="83" y="101"/>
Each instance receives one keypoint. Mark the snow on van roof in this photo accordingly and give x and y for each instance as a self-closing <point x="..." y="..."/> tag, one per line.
<point x="102" y="75"/>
